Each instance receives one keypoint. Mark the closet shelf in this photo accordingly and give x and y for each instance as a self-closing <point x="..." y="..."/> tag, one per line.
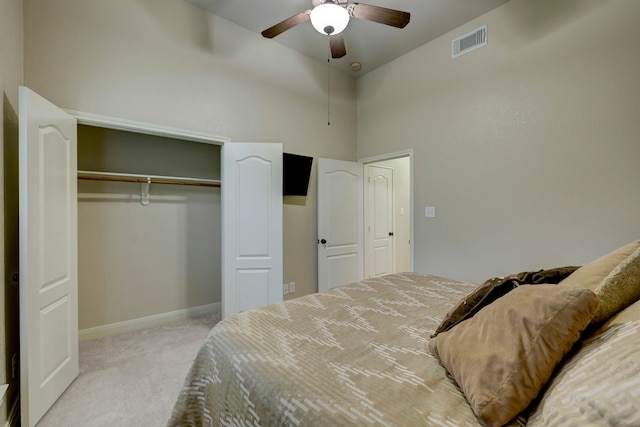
<point x="147" y="179"/>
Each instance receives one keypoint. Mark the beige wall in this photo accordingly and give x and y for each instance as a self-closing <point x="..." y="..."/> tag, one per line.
<point x="10" y="79"/>
<point x="170" y="63"/>
<point x="527" y="147"/>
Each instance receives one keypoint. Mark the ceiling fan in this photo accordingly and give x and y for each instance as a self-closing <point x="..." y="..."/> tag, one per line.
<point x="330" y="17"/>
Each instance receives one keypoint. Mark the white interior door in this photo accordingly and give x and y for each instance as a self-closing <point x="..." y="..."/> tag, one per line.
<point x="340" y="217"/>
<point x="251" y="226"/>
<point x="48" y="254"/>
<point x="379" y="240"/>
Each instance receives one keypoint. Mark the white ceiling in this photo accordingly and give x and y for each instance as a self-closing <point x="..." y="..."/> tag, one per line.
<point x="369" y="43"/>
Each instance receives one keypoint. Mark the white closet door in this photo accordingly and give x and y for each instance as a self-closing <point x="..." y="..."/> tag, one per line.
<point x="379" y="241"/>
<point x="48" y="254"/>
<point x="251" y="226"/>
<point x="340" y="217"/>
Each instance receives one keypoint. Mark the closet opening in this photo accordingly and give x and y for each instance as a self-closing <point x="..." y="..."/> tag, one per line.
<point x="149" y="224"/>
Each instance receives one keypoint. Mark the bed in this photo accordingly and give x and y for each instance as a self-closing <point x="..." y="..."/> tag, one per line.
<point x="368" y="354"/>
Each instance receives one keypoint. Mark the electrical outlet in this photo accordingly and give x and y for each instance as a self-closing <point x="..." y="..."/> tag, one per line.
<point x="292" y="287"/>
<point x="285" y="289"/>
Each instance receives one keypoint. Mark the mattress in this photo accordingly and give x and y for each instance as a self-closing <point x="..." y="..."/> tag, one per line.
<point x="355" y="355"/>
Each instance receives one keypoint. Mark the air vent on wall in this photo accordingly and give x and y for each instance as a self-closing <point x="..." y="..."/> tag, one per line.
<point x="469" y="42"/>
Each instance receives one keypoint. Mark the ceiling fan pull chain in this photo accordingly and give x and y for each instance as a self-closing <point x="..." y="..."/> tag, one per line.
<point x="329" y="89"/>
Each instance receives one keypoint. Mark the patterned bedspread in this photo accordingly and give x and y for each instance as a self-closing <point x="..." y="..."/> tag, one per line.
<point x="356" y="355"/>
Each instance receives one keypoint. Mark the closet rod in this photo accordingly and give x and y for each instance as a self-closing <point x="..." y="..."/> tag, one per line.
<point x="147" y="179"/>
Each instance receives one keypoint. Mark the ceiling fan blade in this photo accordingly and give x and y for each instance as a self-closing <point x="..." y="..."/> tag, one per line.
<point x="381" y="15"/>
<point x="288" y="23"/>
<point x="336" y="43"/>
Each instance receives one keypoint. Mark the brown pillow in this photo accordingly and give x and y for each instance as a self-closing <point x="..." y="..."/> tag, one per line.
<point x="480" y="297"/>
<point x="615" y="279"/>
<point x="505" y="354"/>
<point x="494" y="288"/>
<point x="552" y="275"/>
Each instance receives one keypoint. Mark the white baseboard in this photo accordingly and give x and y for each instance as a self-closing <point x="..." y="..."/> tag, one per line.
<point x="147" y="322"/>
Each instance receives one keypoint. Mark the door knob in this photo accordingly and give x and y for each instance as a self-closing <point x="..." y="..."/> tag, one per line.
<point x="323" y="241"/>
<point x="391" y="233"/>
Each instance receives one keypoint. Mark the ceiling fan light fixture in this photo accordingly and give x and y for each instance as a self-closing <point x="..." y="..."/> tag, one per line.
<point x="329" y="18"/>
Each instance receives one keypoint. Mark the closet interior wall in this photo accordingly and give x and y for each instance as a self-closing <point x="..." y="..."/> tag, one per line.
<point x="135" y="260"/>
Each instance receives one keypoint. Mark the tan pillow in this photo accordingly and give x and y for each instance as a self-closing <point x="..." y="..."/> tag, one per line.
<point x="505" y="354"/>
<point x="615" y="278"/>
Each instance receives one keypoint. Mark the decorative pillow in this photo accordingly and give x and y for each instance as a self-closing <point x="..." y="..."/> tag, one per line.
<point x="480" y="297"/>
<point x="504" y="355"/>
<point x="615" y="278"/>
<point x="494" y="288"/>
<point x="552" y="275"/>
<point x="598" y="384"/>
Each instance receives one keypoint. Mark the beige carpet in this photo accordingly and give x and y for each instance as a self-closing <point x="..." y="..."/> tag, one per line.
<point x="130" y="379"/>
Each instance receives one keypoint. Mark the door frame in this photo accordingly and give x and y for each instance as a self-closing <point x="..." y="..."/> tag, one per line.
<point x="391" y="156"/>
<point x="117" y="123"/>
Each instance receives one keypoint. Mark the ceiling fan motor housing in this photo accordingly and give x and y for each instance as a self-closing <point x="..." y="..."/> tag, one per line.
<point x="330" y="17"/>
